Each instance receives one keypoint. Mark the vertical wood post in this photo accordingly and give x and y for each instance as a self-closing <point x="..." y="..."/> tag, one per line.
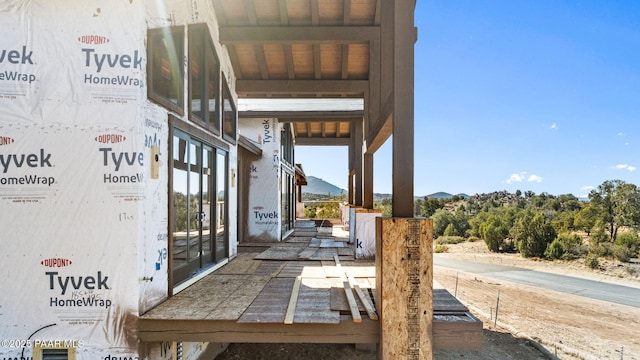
<point x="404" y="282"/>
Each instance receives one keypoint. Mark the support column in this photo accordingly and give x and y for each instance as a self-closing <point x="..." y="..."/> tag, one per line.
<point x="404" y="37"/>
<point x="350" y="190"/>
<point x="357" y="161"/>
<point x="367" y="202"/>
<point x="404" y="283"/>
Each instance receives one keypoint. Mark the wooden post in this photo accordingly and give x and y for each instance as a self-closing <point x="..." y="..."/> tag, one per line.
<point x="404" y="282"/>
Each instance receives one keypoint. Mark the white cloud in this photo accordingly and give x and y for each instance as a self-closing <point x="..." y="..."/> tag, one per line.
<point x="534" y="178"/>
<point x="587" y="187"/>
<point x="554" y="126"/>
<point x="626" y="167"/>
<point x="516" y="178"/>
<point x="620" y="133"/>
<point x="522" y="176"/>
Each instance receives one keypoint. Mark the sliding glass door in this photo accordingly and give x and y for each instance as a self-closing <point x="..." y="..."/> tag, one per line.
<point x="198" y="238"/>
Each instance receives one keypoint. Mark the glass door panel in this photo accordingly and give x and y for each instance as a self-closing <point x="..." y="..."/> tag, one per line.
<point x="208" y="202"/>
<point x="180" y="210"/>
<point x="195" y="213"/>
<point x="195" y="204"/>
<point x="221" y="206"/>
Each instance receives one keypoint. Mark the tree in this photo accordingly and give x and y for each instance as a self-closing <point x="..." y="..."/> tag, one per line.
<point x="618" y="204"/>
<point x="586" y="218"/>
<point x="430" y="205"/>
<point x="493" y="231"/>
<point x="532" y="232"/>
<point x="441" y="219"/>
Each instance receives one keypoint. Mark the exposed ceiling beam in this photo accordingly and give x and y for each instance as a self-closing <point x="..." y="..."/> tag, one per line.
<point x="298" y="34"/>
<point x="298" y="116"/>
<point x="304" y="141"/>
<point x="355" y="87"/>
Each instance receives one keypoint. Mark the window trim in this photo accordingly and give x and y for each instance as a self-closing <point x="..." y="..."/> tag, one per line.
<point x="228" y="134"/>
<point x="200" y="34"/>
<point x="179" y="66"/>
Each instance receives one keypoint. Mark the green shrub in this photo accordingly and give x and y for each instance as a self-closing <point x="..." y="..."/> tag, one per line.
<point x="449" y="230"/>
<point x="630" y="240"/>
<point x="473" y="238"/>
<point x="592" y="261"/>
<point x="599" y="235"/>
<point x="600" y="249"/>
<point x="622" y="253"/>
<point x="572" y="246"/>
<point x="449" y="240"/>
<point x="554" y="250"/>
<point x="441" y="249"/>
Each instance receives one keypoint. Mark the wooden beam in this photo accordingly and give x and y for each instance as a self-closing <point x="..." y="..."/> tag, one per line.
<point x="288" y="57"/>
<point x="304" y="116"/>
<point x="282" y="9"/>
<point x="357" y="160"/>
<point x="379" y="135"/>
<point x="306" y="141"/>
<point x="404" y="287"/>
<point x="364" y="298"/>
<point x="293" y="301"/>
<point x="367" y="187"/>
<point x="257" y="35"/>
<point x="262" y="61"/>
<point x="355" y="87"/>
<point x="347" y="332"/>
<point x="404" y="37"/>
<point x="351" y="300"/>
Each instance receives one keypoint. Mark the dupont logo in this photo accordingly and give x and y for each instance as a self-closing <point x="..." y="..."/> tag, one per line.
<point x="56" y="262"/>
<point x="110" y="138"/>
<point x="5" y="140"/>
<point x="93" y="39"/>
<point x="258" y="207"/>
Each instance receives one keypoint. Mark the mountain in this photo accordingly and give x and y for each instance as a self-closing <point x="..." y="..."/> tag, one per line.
<point x="318" y="186"/>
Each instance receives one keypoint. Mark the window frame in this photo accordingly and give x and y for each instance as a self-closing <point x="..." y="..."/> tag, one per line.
<point x="209" y="68"/>
<point x="229" y="134"/>
<point x="178" y="67"/>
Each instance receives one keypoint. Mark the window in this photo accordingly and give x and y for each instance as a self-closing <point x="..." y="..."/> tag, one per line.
<point x="204" y="79"/>
<point x="229" y="114"/>
<point x="164" y="67"/>
<point x="59" y="352"/>
<point x="286" y="144"/>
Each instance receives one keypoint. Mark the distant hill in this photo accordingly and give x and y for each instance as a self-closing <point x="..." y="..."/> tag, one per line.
<point x="318" y="186"/>
<point x="438" y="195"/>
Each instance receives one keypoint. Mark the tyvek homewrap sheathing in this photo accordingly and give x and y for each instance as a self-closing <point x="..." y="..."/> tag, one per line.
<point x="83" y="217"/>
<point x="264" y="217"/>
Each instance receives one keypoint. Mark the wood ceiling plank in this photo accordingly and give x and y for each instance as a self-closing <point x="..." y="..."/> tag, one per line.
<point x="298" y="34"/>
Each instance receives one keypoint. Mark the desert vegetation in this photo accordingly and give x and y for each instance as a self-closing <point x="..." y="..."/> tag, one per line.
<point x="544" y="225"/>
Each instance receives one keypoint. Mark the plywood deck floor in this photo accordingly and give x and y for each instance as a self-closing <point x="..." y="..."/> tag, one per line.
<point x="250" y="298"/>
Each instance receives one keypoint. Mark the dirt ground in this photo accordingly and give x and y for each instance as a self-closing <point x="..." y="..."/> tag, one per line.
<point x="531" y="323"/>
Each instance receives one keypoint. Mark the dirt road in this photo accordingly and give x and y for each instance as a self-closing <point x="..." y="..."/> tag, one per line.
<point x="572" y="326"/>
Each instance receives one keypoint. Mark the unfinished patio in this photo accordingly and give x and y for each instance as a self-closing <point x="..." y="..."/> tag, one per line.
<point x="308" y="289"/>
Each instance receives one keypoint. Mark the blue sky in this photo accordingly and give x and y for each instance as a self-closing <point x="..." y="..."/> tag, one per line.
<point x="529" y="95"/>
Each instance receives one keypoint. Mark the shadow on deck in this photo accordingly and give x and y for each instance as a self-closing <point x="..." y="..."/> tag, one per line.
<point x="307" y="289"/>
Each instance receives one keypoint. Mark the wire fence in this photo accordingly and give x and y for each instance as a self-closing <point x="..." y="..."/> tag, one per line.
<point x="568" y="326"/>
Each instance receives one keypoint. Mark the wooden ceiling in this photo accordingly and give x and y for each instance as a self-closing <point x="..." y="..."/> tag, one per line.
<point x="302" y="49"/>
<point x="299" y="48"/>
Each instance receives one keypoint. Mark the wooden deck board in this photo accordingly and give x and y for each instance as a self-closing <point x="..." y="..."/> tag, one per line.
<point x="306" y="269"/>
<point x="270" y="268"/>
<point x="247" y="299"/>
<point x="314" y="302"/>
<point x="270" y="306"/>
<point x="282" y="251"/>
